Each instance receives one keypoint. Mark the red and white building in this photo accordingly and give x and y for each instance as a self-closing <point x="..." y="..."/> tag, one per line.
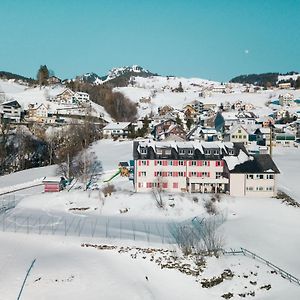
<point x="201" y="167"/>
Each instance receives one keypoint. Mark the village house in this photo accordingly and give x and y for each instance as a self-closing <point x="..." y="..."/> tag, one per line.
<point x="162" y="127"/>
<point x="37" y="112"/>
<point x="54" y="80"/>
<point x="81" y="97"/>
<point x="246" y="117"/>
<point x="286" y="100"/>
<point x="116" y="130"/>
<point x="65" y="97"/>
<point x="11" y="111"/>
<point x="239" y="134"/>
<point x="173" y="130"/>
<point x="205" y="167"/>
<point x="284" y="85"/>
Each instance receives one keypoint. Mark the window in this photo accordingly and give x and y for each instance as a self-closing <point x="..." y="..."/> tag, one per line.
<point x="269" y="188"/>
<point x="165" y="185"/>
<point x="181" y="151"/>
<point x="270" y="176"/>
<point x="190" y="152"/>
<point x="194" y="163"/>
<point x="181" y="163"/>
<point x="231" y="152"/>
<point x="216" y="152"/>
<point x="239" y="131"/>
<point x="249" y="188"/>
<point x="218" y="163"/>
<point x="143" y="174"/>
<point x="143" y="151"/>
<point x="175" y="185"/>
<point x="219" y="175"/>
<point x="206" y="163"/>
<point x="207" y="152"/>
<point x="249" y="176"/>
<point x="145" y="163"/>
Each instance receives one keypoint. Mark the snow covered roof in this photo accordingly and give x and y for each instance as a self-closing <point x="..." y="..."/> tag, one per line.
<point x="116" y="126"/>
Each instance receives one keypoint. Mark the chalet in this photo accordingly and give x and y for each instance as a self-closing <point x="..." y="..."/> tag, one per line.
<point x="54" y="80"/>
<point x="66" y="97"/>
<point x="81" y="97"/>
<point x="162" y="127"/>
<point x="11" y="110"/>
<point x="202" y="167"/>
<point x="38" y="112"/>
<point x="246" y="118"/>
<point x="263" y="134"/>
<point x="174" y="130"/>
<point x="116" y="130"/>
<point x="190" y="111"/>
<point x="163" y="110"/>
<point x="239" y="134"/>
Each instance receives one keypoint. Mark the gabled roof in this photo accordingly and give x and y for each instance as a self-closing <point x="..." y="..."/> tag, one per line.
<point x="116" y="126"/>
<point x="12" y="103"/>
<point x="237" y="126"/>
<point x="262" y="163"/>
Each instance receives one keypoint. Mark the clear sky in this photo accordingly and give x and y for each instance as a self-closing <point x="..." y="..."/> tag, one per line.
<point x="210" y="39"/>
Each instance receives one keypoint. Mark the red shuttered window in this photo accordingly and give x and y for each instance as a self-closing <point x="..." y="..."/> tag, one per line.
<point x="175" y="185"/>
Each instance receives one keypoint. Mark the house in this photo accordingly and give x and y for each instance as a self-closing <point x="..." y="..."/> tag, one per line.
<point x="53" y="184"/>
<point x="285" y="139"/>
<point x="54" y="80"/>
<point x="286" y="100"/>
<point x="246" y="118"/>
<point x="263" y="134"/>
<point x="163" y="126"/>
<point x="254" y="177"/>
<point x="239" y="134"/>
<point x="205" y="167"/>
<point x="38" y="112"/>
<point x="81" y="97"/>
<point x="65" y="97"/>
<point x="116" y="130"/>
<point x="173" y="130"/>
<point x="190" y="111"/>
<point x="200" y="133"/>
<point x="163" y="110"/>
<point x="284" y="85"/>
<point x="11" y="110"/>
<point x="197" y="105"/>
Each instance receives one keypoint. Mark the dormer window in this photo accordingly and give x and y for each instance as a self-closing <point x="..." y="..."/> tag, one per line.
<point x="143" y="151"/>
<point x="190" y="152"/>
<point x="207" y="152"/>
<point x="231" y="152"/>
<point x="216" y="152"/>
<point x="181" y="151"/>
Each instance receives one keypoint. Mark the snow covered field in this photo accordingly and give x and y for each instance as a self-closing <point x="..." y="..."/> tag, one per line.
<point x="65" y="270"/>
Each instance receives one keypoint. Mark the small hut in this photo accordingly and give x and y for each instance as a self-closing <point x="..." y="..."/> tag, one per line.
<point x="53" y="184"/>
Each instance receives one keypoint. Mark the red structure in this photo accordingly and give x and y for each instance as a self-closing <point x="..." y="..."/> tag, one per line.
<point x="53" y="184"/>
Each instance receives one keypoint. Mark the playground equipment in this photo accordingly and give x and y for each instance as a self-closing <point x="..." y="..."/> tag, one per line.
<point x="124" y="170"/>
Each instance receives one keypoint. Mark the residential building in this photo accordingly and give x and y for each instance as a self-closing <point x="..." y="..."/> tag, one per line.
<point x="81" y="97"/>
<point x="239" y="134"/>
<point x="255" y="177"/>
<point x="205" y="167"/>
<point x="286" y="100"/>
<point x="116" y="130"/>
<point x="38" y="112"/>
<point x="11" y="110"/>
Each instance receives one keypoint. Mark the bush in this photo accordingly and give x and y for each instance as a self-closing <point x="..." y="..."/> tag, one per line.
<point x="108" y="190"/>
<point x="210" y="207"/>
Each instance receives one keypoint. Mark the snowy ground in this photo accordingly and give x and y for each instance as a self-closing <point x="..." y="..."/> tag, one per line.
<point x="64" y="269"/>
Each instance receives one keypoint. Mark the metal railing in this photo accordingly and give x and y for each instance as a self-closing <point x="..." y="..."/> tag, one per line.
<point x="245" y="252"/>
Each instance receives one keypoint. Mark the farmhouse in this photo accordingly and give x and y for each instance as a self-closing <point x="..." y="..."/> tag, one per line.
<point x="202" y="167"/>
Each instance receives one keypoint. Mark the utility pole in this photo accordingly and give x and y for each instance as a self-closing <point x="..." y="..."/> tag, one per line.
<point x="271" y="139"/>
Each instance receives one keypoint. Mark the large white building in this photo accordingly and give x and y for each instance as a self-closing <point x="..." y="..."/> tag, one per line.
<point x="202" y="167"/>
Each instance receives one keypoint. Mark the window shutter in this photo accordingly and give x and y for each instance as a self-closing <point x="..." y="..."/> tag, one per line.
<point x="147" y="162"/>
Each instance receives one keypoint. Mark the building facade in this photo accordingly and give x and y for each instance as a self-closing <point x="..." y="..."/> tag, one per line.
<point x="201" y="167"/>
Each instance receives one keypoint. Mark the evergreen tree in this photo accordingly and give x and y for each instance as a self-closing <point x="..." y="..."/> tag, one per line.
<point x="297" y="83"/>
<point x="178" y="120"/>
<point x="189" y="123"/>
<point x="43" y="75"/>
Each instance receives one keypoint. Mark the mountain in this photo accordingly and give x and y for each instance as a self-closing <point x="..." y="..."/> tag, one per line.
<point x="265" y="79"/>
<point x="116" y="77"/>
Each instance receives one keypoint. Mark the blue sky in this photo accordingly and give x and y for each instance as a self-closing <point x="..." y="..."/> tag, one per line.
<point x="210" y="39"/>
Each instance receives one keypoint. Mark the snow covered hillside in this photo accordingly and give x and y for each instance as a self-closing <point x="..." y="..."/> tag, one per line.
<point x="35" y="95"/>
<point x="159" y="91"/>
<point x="85" y="245"/>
